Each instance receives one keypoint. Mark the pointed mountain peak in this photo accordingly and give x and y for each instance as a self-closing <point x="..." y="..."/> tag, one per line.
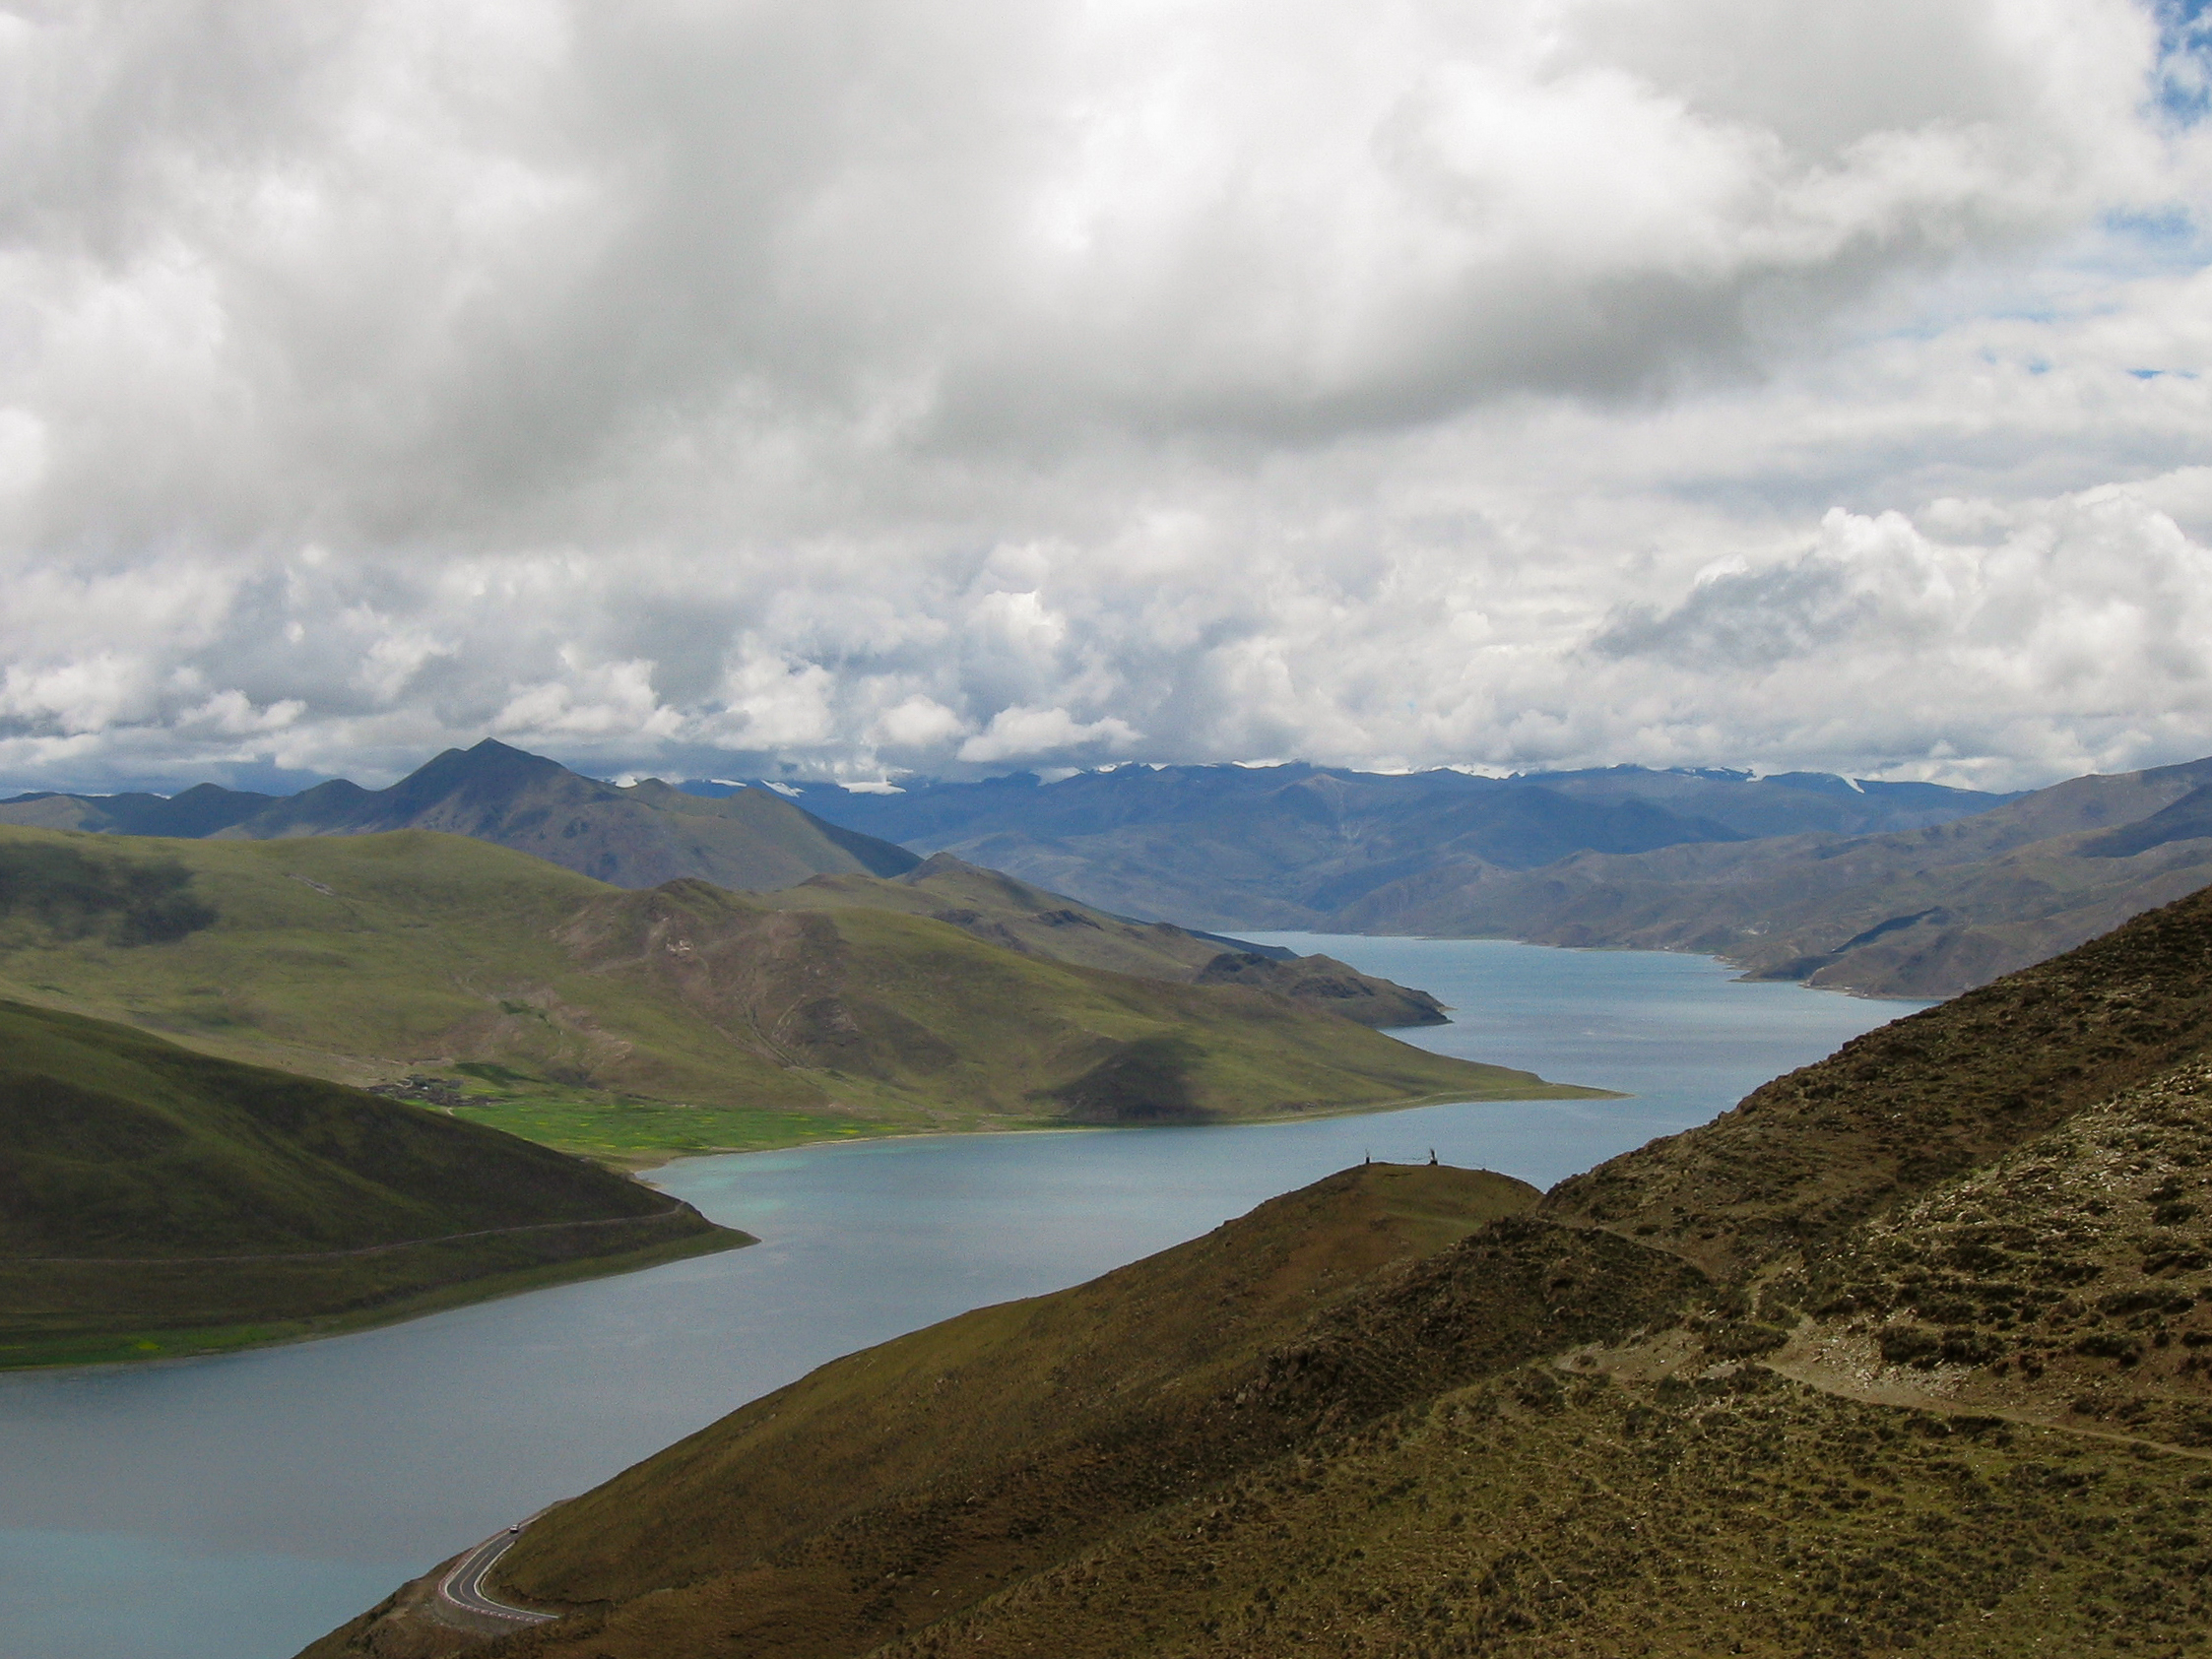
<point x="488" y="773"/>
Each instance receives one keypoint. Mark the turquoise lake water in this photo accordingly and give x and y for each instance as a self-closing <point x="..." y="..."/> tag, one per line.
<point x="236" y="1507"/>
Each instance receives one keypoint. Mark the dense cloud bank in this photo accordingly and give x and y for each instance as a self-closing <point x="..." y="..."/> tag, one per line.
<point x="855" y="385"/>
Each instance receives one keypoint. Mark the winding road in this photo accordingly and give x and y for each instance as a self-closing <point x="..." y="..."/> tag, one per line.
<point x="462" y="1589"/>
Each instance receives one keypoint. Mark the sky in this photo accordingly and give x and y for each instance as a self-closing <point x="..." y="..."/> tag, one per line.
<point x="861" y="388"/>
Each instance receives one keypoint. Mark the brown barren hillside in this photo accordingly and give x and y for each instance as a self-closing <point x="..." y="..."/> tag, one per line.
<point x="1925" y="912"/>
<point x="1910" y="1354"/>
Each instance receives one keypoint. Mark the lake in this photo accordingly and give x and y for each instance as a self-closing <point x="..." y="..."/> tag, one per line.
<point x="236" y="1507"/>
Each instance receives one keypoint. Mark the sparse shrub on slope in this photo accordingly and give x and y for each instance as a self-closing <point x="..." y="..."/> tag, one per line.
<point x="1915" y="1102"/>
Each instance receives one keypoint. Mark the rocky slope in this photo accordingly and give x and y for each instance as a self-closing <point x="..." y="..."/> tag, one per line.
<point x="1908" y="1353"/>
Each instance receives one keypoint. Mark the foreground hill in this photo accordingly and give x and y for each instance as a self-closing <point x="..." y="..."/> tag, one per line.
<point x="1920" y="913"/>
<point x="1910" y="1351"/>
<point x="636" y="837"/>
<point x="157" y="1201"/>
<point x="1232" y="847"/>
<point x="636" y="1024"/>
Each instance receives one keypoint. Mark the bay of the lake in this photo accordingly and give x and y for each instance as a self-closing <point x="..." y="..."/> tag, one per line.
<point x="236" y="1507"/>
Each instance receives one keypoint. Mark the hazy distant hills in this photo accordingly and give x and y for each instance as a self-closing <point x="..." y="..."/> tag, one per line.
<point x="158" y="1202"/>
<point x="753" y="840"/>
<point x="1917" y="912"/>
<point x="1292" y="846"/>
<point x="1885" y="889"/>
<point x="1908" y="1353"/>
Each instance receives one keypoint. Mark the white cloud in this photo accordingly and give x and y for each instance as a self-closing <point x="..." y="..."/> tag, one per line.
<point x="862" y="383"/>
<point x="589" y="700"/>
<point x="1027" y="733"/>
<point x="919" y="723"/>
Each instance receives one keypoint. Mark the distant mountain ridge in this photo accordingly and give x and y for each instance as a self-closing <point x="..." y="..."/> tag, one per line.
<point x="1917" y="912"/>
<point x="752" y="841"/>
<point x="1880" y="890"/>
<point x="1290" y="845"/>
<point x="1876" y="888"/>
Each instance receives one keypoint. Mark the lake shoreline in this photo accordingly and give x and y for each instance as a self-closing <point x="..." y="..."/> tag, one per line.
<point x="237" y="1506"/>
<point x="1415" y="1103"/>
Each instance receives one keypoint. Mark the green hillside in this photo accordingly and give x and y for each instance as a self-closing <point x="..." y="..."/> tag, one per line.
<point x="158" y="1202"/>
<point x="1910" y="1353"/>
<point x="1001" y="911"/>
<point x="633" y="1025"/>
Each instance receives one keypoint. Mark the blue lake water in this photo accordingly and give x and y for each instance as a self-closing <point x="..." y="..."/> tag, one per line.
<point x="236" y="1507"/>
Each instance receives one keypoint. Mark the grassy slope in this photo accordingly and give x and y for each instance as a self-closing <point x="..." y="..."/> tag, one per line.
<point x="900" y="1013"/>
<point x="1060" y="1377"/>
<point x="1001" y="911"/>
<point x="126" y="1162"/>
<point x="1910" y="1353"/>
<point x="633" y="1025"/>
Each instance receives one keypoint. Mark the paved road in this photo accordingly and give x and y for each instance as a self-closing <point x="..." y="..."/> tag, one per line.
<point x="463" y="1588"/>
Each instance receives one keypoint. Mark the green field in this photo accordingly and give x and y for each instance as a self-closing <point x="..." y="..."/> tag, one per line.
<point x="633" y="1132"/>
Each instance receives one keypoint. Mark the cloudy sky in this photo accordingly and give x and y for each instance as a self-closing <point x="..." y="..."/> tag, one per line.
<point x="716" y="387"/>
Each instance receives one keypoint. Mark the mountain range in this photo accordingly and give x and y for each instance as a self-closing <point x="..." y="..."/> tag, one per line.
<point x="1914" y="912"/>
<point x="1877" y="888"/>
<point x="750" y="840"/>
<point x="1291" y="846"/>
<point x="1882" y="889"/>
<point x="1910" y="1351"/>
